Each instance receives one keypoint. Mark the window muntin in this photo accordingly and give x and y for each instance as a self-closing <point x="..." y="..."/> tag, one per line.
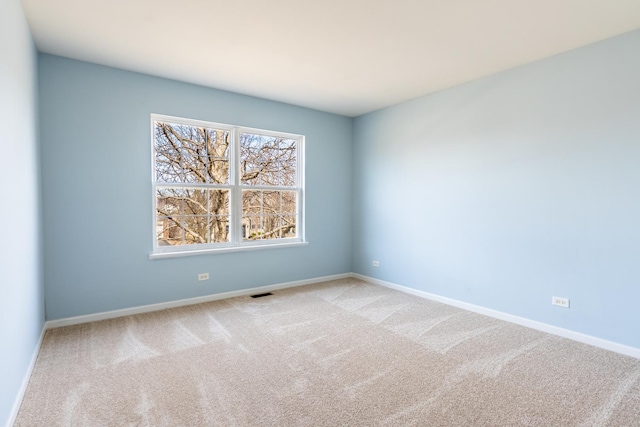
<point x="218" y="186"/>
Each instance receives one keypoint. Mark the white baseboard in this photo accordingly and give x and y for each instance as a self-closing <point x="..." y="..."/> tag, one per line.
<point x="183" y="302"/>
<point x="544" y="327"/>
<point x="25" y="381"/>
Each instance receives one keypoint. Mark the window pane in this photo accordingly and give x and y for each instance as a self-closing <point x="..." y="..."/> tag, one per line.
<point x="260" y="227"/>
<point x="168" y="232"/>
<point x="289" y="202"/>
<point x="268" y="214"/>
<point x="251" y="228"/>
<point x="263" y="227"/>
<point x="195" y="230"/>
<point x="267" y="160"/>
<point x="219" y="229"/>
<point x="191" y="201"/>
<point x="188" y="216"/>
<point x="192" y="230"/>
<point x="218" y="171"/>
<point x="196" y="202"/>
<point x="271" y="202"/>
<point x="206" y="229"/>
<point x="219" y="202"/>
<point x="186" y="153"/>
<point x="289" y="226"/>
<point x="169" y="201"/>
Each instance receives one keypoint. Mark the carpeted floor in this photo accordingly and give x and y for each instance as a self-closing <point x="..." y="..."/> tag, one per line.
<point x="338" y="353"/>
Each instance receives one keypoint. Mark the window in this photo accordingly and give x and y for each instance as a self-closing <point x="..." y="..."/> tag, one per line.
<point x="221" y="187"/>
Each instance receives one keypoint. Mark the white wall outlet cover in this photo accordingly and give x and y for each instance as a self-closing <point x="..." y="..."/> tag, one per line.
<point x="560" y="302"/>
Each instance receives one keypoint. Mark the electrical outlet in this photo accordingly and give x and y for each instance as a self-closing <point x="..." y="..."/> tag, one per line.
<point x="203" y="276"/>
<point x="561" y="302"/>
<point x="376" y="263"/>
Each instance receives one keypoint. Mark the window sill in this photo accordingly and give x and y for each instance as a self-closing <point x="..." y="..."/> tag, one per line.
<point x="210" y="251"/>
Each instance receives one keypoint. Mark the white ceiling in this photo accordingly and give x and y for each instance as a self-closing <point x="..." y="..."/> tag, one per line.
<point x="343" y="56"/>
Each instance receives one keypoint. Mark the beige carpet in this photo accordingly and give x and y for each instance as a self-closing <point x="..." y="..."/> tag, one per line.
<point x="338" y="353"/>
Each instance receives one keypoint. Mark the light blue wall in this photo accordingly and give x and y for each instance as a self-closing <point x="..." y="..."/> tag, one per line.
<point x="96" y="169"/>
<point x="501" y="192"/>
<point x="511" y="189"/>
<point x="21" y="290"/>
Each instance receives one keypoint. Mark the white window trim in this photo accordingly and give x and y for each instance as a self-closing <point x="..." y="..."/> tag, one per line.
<point x="237" y="244"/>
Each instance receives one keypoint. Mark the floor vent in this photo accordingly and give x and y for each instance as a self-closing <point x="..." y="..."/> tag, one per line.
<point x="261" y="295"/>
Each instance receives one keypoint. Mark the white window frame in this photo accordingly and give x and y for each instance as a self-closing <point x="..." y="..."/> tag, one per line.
<point x="236" y="243"/>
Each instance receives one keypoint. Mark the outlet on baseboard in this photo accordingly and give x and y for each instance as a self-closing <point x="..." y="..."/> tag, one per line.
<point x="561" y="302"/>
<point x="376" y="263"/>
<point x="203" y="276"/>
